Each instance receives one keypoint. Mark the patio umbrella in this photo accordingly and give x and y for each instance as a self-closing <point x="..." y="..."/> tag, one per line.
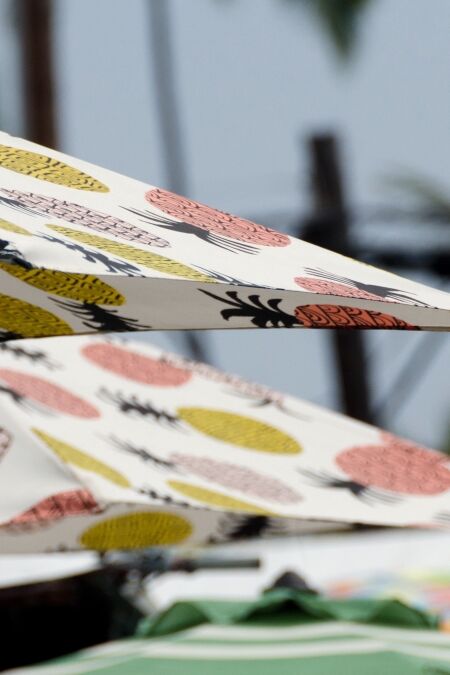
<point x="84" y="249"/>
<point x="284" y="631"/>
<point x="110" y="445"/>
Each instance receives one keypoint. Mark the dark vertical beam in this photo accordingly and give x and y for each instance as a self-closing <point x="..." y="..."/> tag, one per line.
<point x="329" y="227"/>
<point x="167" y="105"/>
<point x="35" y="20"/>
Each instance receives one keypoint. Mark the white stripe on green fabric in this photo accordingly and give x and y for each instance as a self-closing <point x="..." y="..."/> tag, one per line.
<point x="310" y="631"/>
<point x="245" y="643"/>
<point x="258" y="651"/>
<point x="129" y="646"/>
<point x="164" y="650"/>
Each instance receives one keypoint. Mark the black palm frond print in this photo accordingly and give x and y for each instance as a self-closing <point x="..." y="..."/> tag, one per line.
<point x="131" y="404"/>
<point x="227" y="279"/>
<point x="34" y="356"/>
<point x="7" y="335"/>
<point x="143" y="454"/>
<point x="262" y="315"/>
<point x="367" y="494"/>
<point x="225" y="243"/>
<point x="442" y="518"/>
<point x="10" y="254"/>
<point x="236" y="527"/>
<point x="99" y="318"/>
<point x="224" y="278"/>
<point x="22" y="401"/>
<point x="111" y="265"/>
<point x="16" y="204"/>
<point x="384" y="292"/>
<point x="166" y="499"/>
<point x="276" y="402"/>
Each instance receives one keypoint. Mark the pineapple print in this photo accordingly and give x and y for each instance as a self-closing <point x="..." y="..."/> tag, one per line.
<point x="236" y="477"/>
<point x="48" y="169"/>
<point x="46" y="393"/>
<point x="71" y="455"/>
<point x="210" y="225"/>
<point x="148" y="259"/>
<point x="5" y="441"/>
<point x="384" y="471"/>
<point x="137" y="530"/>
<point x="337" y="316"/>
<point x="20" y="319"/>
<point x="29" y="202"/>
<point x="81" y="287"/>
<point x="326" y="287"/>
<point x="56" y="507"/>
<point x="136" y="367"/>
<point x="215" y="499"/>
<point x="397" y="465"/>
<point x="329" y="283"/>
<point x="11" y="227"/>
<point x="239" y="430"/>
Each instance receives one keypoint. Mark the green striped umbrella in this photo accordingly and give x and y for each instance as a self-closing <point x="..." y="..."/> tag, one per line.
<point x="285" y="631"/>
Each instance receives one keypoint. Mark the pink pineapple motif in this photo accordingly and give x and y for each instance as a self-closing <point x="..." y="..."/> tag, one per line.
<point x="137" y="367"/>
<point x="57" y="506"/>
<point x="22" y="387"/>
<point x="394" y="465"/>
<point x="210" y="225"/>
<point x="329" y="283"/>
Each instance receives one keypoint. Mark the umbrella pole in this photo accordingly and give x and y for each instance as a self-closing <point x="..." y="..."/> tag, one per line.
<point x="167" y="109"/>
<point x="329" y="227"/>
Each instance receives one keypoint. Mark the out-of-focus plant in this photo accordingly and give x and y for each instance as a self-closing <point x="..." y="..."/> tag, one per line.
<point x="426" y="194"/>
<point x="429" y="198"/>
<point x="339" y="19"/>
<point x="446" y="447"/>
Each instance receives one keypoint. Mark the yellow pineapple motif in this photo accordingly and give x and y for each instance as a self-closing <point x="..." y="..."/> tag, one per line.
<point x="71" y="455"/>
<point x="218" y="499"/>
<point x="145" y="258"/>
<point x="244" y="432"/>
<point x="137" y="530"/>
<point x="27" y="320"/>
<point x="11" y="227"/>
<point x="49" y="169"/>
<point x="81" y="287"/>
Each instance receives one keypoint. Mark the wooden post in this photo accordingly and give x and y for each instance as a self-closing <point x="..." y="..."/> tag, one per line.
<point x="36" y="38"/>
<point x="329" y="227"/>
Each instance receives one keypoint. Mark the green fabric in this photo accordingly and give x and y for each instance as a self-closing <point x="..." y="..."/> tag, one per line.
<point x="382" y="664"/>
<point x="286" y="606"/>
<point x="284" y="632"/>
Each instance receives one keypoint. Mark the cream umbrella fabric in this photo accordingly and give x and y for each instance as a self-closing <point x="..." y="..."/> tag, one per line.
<point x="84" y="249"/>
<point x="107" y="444"/>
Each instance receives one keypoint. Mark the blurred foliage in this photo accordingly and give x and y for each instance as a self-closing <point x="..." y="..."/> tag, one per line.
<point x="446" y="447"/>
<point x="339" y="19"/>
<point x="424" y="191"/>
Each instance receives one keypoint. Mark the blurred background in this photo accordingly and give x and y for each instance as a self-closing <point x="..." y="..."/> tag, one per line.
<point x="232" y="103"/>
<point x="325" y="119"/>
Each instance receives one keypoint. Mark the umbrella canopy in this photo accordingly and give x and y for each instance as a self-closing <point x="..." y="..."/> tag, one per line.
<point x="114" y="445"/>
<point x="84" y="249"/>
<point x="284" y="631"/>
